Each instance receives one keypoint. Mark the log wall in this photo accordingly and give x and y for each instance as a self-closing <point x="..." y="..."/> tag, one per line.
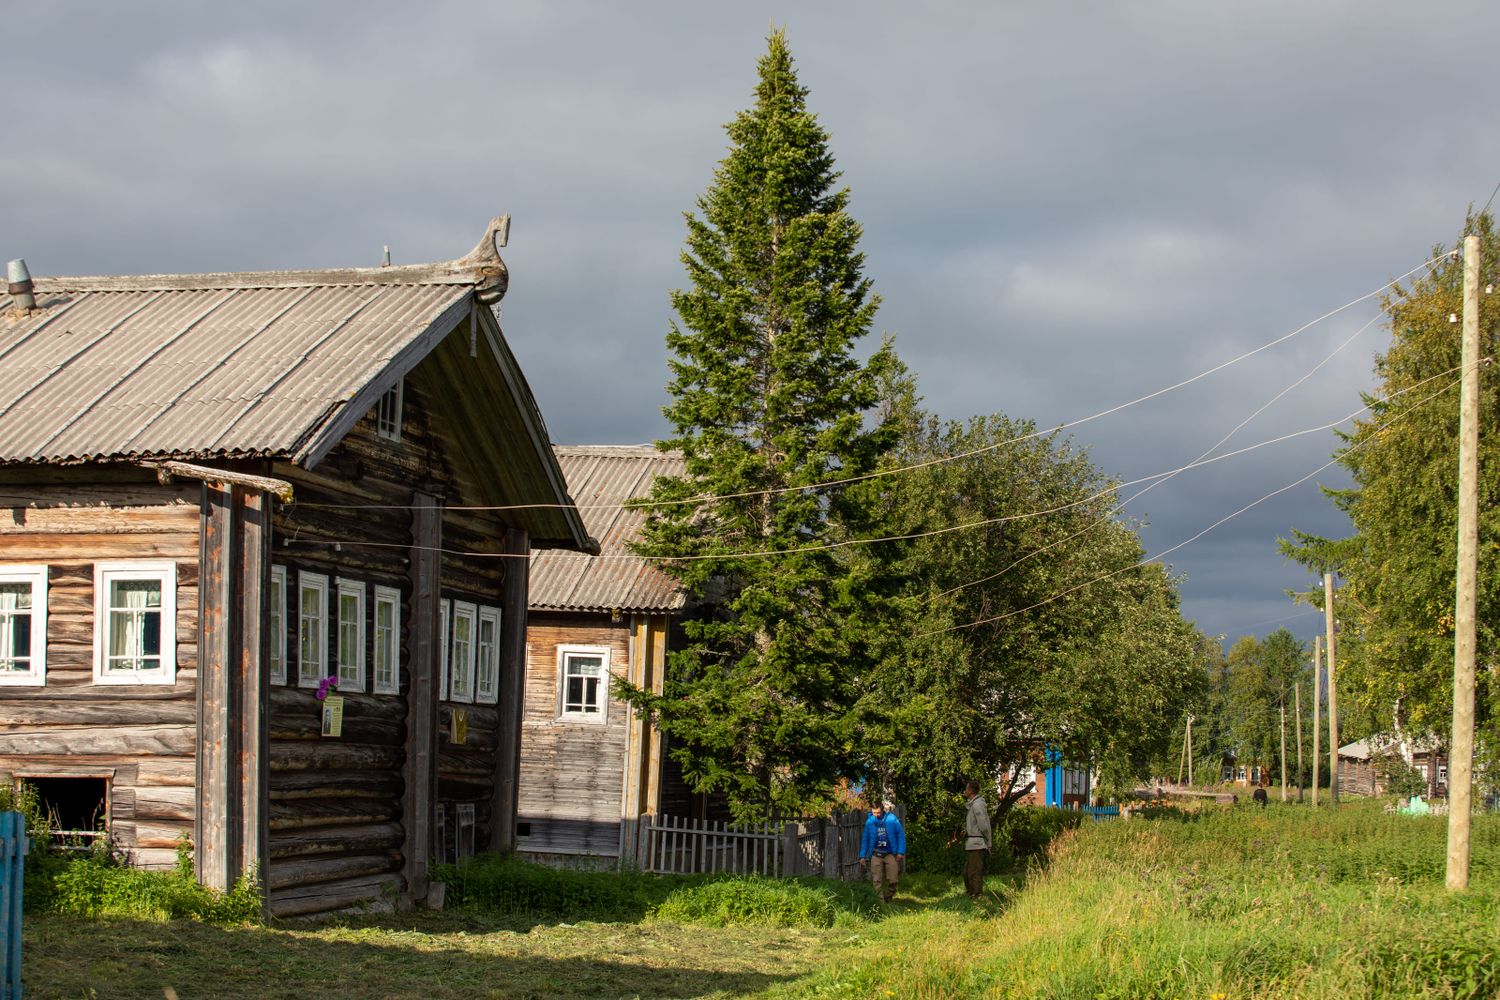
<point x="338" y="806"/>
<point x="141" y="738"/>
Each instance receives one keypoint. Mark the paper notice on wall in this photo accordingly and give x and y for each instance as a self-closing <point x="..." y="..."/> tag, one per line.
<point x="333" y="716"/>
<point x="459" y="733"/>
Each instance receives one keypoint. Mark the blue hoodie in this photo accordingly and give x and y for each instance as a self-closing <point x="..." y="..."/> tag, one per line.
<point x="895" y="836"/>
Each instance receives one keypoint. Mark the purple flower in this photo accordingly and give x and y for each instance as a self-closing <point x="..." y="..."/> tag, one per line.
<point x="331" y="681"/>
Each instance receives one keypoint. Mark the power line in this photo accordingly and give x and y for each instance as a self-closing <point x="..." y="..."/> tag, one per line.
<point x="1120" y="507"/>
<point x="1166" y="552"/>
<point x="881" y="473"/>
<point x="885" y="538"/>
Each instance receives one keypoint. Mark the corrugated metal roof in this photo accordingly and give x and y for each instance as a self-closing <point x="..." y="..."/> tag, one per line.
<point x="607" y="475"/>
<point x="273" y="365"/>
<point x="103" y="370"/>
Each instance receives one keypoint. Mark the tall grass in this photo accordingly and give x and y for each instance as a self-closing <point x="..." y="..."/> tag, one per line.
<point x="505" y="885"/>
<point x="1234" y="903"/>
<point x="96" y="881"/>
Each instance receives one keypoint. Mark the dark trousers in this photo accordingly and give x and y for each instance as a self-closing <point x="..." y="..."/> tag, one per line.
<point x="974" y="872"/>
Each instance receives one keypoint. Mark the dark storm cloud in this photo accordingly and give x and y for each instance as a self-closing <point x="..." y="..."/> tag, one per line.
<point x="1065" y="206"/>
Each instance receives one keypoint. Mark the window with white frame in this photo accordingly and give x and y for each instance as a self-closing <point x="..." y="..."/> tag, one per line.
<point x="278" y="624"/>
<point x="388" y="412"/>
<point x="444" y="653"/>
<point x="584" y="675"/>
<point x="312" y="628"/>
<point x="135" y="622"/>
<point x="386" y="663"/>
<point x="23" y="625"/>
<point x="351" y="594"/>
<point x="487" y="668"/>
<point x="461" y="681"/>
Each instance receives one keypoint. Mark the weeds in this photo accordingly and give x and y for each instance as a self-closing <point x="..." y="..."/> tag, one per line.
<point x="752" y="900"/>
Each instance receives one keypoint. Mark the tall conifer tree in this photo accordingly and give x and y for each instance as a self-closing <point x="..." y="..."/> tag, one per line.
<point x="768" y="396"/>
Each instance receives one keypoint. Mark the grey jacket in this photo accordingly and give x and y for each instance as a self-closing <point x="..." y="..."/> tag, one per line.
<point x="977" y="825"/>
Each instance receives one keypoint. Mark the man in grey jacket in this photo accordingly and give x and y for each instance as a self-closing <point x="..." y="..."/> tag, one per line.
<point x="976" y="841"/>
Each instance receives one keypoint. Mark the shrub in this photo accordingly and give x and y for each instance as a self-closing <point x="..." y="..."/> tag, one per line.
<point x="1021" y="835"/>
<point x="98" y="884"/>
<point x="754" y="899"/>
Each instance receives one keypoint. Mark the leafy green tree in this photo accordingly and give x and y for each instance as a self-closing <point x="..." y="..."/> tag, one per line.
<point x="769" y="398"/>
<point x="989" y="669"/>
<point x="1260" y="679"/>
<point x="1395" y="605"/>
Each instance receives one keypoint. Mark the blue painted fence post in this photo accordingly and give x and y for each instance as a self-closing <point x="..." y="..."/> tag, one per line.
<point x="12" y="877"/>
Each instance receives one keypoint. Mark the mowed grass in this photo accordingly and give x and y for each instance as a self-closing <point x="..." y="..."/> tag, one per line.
<point x="440" y="956"/>
<point x="1227" y="903"/>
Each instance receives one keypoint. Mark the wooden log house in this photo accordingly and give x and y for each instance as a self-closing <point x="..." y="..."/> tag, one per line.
<point x="587" y="761"/>
<point x="222" y="490"/>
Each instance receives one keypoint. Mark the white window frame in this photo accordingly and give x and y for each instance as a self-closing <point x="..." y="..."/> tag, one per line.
<point x="311" y="671"/>
<point x="36" y="671"/>
<point x="487" y="659"/>
<point x="443" y="651"/>
<point x="276" y="624"/>
<point x="351" y="675"/>
<point x="388" y="412"/>
<point x="461" y="662"/>
<point x="391" y="597"/>
<point x="162" y="572"/>
<point x="564" y="653"/>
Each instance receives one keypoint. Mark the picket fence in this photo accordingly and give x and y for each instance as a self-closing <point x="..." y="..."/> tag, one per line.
<point x="12" y="873"/>
<point x="678" y="845"/>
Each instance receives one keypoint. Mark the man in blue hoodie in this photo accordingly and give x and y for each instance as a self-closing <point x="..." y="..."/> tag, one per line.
<point x="883" y="848"/>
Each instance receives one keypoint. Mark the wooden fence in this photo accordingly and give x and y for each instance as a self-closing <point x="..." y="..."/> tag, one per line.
<point x="12" y="873"/>
<point x="778" y="848"/>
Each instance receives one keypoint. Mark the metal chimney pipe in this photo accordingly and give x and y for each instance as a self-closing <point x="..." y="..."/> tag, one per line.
<point x="20" y="284"/>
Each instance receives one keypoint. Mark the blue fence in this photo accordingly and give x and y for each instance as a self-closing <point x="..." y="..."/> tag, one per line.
<point x="12" y="874"/>
<point x="1101" y="812"/>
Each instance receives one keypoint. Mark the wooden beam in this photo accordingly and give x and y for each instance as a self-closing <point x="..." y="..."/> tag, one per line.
<point x="232" y="789"/>
<point x="512" y="692"/>
<point x="212" y="831"/>
<point x="420" y="760"/>
<point x="166" y="470"/>
<point x="254" y="681"/>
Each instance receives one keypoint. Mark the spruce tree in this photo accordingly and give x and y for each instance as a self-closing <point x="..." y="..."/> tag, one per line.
<point x="768" y="397"/>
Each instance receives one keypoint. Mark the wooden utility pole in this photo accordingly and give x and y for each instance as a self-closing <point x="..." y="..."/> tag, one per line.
<point x="1283" y="748"/>
<point x="1461" y="750"/>
<point x="1297" y="693"/>
<point x="1333" y="692"/>
<point x="1190" y="750"/>
<point x="1317" y="711"/>
<point x="1182" y="757"/>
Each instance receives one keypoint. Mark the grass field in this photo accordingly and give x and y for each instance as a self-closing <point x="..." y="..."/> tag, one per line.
<point x="1222" y="904"/>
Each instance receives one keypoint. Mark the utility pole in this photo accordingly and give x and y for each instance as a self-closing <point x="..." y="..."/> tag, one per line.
<point x="1190" y="750"/>
<point x="1283" y="747"/>
<point x="1461" y="750"/>
<point x="1297" y="692"/>
<point x="1182" y="757"/>
<point x="1333" y="693"/>
<point x="1317" y="698"/>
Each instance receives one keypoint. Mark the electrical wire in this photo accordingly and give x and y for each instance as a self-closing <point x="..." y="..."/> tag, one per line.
<point x="881" y="473"/>
<point x="846" y="543"/>
<point x="1120" y="507"/>
<point x="1166" y="552"/>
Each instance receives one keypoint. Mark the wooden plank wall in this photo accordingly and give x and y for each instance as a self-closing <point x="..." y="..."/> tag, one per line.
<point x="572" y="773"/>
<point x="141" y="738"/>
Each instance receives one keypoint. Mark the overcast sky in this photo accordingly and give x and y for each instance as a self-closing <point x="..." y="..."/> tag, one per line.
<point x="1066" y="206"/>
